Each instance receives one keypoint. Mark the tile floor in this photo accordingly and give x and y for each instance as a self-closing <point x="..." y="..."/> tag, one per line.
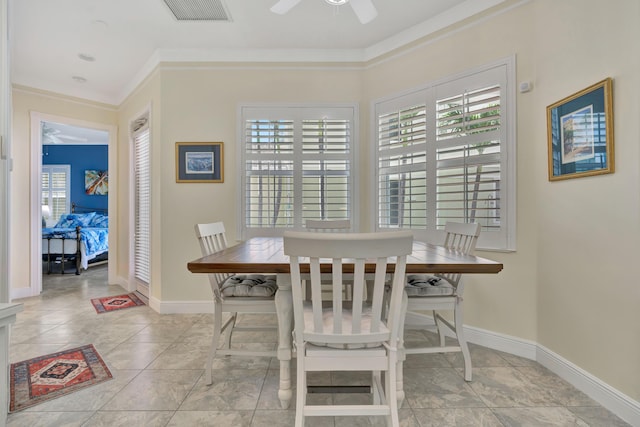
<point x="158" y="366"/>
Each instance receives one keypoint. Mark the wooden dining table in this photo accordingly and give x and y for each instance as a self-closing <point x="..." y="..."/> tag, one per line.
<point x="266" y="255"/>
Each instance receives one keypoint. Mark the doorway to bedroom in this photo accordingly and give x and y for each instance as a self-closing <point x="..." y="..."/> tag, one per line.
<point x="74" y="159"/>
<point x="75" y="191"/>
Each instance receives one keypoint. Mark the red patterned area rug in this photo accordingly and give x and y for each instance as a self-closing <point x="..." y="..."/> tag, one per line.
<point x="43" y="378"/>
<point x="118" y="302"/>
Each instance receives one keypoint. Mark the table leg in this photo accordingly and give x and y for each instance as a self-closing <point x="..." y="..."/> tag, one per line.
<point x="284" y="306"/>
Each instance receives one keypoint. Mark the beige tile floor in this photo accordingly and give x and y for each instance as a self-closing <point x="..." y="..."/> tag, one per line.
<point x="157" y="363"/>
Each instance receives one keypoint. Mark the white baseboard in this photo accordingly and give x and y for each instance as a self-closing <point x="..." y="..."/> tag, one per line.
<point x="501" y="342"/>
<point x="181" y="307"/>
<point x="610" y="398"/>
<point x="170" y="307"/>
<point x="17" y="293"/>
<point x="607" y="396"/>
<point x="122" y="281"/>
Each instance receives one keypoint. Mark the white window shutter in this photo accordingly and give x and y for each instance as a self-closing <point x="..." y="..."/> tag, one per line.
<point x="402" y="168"/>
<point x="56" y="190"/>
<point x="297" y="165"/>
<point x="446" y="153"/>
<point x="142" y="219"/>
<point x="468" y="151"/>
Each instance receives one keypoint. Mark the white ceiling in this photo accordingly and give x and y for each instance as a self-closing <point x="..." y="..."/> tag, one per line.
<point x="128" y="38"/>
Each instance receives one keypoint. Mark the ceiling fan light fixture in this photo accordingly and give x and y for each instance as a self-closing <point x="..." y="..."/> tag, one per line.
<point x="336" y="2"/>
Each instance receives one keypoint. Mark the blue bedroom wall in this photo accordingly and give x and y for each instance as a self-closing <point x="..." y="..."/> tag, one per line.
<point x="81" y="158"/>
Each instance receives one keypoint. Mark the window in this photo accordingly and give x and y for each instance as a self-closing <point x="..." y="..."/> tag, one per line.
<point x="142" y="203"/>
<point x="56" y="191"/>
<point x="446" y="153"/>
<point x="296" y="165"/>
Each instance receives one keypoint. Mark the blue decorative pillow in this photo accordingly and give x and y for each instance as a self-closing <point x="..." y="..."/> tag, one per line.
<point x="75" y="220"/>
<point x="99" y="221"/>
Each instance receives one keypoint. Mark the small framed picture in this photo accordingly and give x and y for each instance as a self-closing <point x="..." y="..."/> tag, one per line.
<point x="96" y="182"/>
<point x="580" y="133"/>
<point x="199" y="162"/>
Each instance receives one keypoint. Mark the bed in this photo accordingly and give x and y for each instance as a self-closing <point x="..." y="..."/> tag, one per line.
<point x="80" y="238"/>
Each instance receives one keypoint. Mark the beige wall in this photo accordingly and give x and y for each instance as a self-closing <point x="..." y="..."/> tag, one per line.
<point x="576" y="263"/>
<point x="587" y="241"/>
<point x="25" y="101"/>
<point x="202" y="105"/>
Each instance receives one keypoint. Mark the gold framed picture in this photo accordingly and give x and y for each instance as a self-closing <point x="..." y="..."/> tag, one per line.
<point x="580" y="133"/>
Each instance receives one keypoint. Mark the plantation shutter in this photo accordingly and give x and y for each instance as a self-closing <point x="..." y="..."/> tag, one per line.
<point x="297" y="166"/>
<point x="468" y="157"/>
<point x="269" y="173"/>
<point x="402" y="166"/>
<point x="447" y="153"/>
<point x="325" y="169"/>
<point x="142" y="211"/>
<point x="56" y="190"/>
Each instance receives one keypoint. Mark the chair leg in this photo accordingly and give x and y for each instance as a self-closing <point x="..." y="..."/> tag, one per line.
<point x="301" y="385"/>
<point x="217" y="325"/>
<point x="230" y="328"/>
<point x="462" y="342"/>
<point x="376" y="379"/>
<point x="401" y="354"/>
<point x="440" y="328"/>
<point x="391" y="390"/>
<point x="400" y="379"/>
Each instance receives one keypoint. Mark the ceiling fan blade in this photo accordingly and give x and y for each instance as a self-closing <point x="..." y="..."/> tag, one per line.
<point x="51" y="139"/>
<point x="364" y="10"/>
<point x="284" y="6"/>
<point x="72" y="138"/>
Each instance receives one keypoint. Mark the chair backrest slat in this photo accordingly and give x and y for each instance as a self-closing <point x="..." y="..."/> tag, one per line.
<point x="336" y="286"/>
<point x="462" y="238"/>
<point x="212" y="238"/>
<point x="359" y="321"/>
<point x="316" y="295"/>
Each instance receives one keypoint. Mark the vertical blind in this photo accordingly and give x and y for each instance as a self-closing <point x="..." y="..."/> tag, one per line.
<point x="142" y="210"/>
<point x="296" y="165"/>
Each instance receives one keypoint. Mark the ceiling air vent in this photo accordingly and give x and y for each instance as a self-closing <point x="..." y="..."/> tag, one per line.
<point x="198" y="10"/>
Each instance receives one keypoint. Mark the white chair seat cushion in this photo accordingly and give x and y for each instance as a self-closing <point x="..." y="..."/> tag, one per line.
<point x="250" y="285"/>
<point x="327" y="326"/>
<point x="420" y="285"/>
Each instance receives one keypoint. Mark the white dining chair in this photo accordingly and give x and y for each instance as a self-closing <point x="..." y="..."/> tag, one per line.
<point x="356" y="335"/>
<point x="234" y="294"/>
<point x="442" y="292"/>
<point x="329" y="226"/>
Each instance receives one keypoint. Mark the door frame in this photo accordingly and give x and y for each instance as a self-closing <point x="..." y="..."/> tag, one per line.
<point x="35" y="258"/>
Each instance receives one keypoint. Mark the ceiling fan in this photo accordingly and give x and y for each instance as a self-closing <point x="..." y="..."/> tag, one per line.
<point x="55" y="136"/>
<point x="364" y="9"/>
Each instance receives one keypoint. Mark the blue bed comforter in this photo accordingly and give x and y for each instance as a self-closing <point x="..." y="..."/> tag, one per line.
<point x="94" y="240"/>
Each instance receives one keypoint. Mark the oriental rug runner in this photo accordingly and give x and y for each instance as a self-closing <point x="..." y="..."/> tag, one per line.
<point x="118" y="302"/>
<point x="43" y="378"/>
